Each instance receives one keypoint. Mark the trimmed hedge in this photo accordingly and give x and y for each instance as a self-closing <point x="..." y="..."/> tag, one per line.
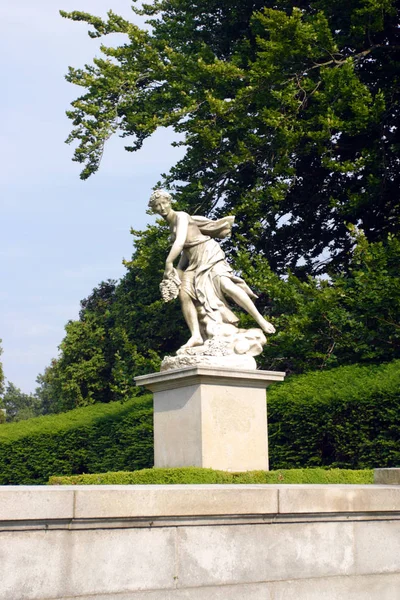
<point x="194" y="475"/>
<point x="85" y="440"/>
<point x="347" y="417"/>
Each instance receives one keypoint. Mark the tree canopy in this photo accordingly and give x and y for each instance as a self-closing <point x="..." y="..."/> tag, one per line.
<point x="289" y="114"/>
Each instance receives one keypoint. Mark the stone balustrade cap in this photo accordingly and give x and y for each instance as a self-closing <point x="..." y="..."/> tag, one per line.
<point x="138" y="501"/>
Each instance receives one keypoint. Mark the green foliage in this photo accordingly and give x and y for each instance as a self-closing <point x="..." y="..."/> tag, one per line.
<point x="193" y="475"/>
<point x="48" y="391"/>
<point x="19" y="406"/>
<point x="288" y="114"/>
<point x="90" y="439"/>
<point x="81" y="374"/>
<point x="346" y="417"/>
<point x="352" y="318"/>
<point x="83" y="362"/>
<point x="147" y="319"/>
<point x="99" y="355"/>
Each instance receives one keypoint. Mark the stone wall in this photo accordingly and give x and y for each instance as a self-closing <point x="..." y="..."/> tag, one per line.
<point x="252" y="542"/>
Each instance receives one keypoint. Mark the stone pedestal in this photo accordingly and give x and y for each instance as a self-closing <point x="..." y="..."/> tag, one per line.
<point x="210" y="417"/>
<point x="390" y="476"/>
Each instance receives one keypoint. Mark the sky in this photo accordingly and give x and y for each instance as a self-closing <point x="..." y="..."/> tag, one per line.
<point x="59" y="236"/>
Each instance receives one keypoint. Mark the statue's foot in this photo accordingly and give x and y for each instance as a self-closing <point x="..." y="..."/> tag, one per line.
<point x="267" y="327"/>
<point x="195" y="340"/>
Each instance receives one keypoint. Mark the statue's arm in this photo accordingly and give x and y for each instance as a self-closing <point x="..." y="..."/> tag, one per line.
<point x="182" y="224"/>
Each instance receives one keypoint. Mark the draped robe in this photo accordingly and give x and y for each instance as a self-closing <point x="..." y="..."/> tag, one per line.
<point x="203" y="263"/>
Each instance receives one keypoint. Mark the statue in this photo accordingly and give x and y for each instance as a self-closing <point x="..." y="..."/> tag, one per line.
<point x="204" y="281"/>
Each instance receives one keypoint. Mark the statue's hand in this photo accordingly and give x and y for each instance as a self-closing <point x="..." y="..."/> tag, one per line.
<point x="170" y="284"/>
<point x="169" y="270"/>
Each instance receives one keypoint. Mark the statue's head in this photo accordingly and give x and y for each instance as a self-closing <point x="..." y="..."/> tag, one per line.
<point x="159" y="200"/>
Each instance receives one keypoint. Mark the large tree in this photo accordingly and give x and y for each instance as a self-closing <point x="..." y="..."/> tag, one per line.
<point x="289" y="114"/>
<point x="289" y="117"/>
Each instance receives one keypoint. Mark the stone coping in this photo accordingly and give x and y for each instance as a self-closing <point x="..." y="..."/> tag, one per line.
<point x="174" y="378"/>
<point x="24" y="503"/>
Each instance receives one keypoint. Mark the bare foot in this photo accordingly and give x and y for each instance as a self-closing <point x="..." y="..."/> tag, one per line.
<point x="267" y="327"/>
<point x="195" y="340"/>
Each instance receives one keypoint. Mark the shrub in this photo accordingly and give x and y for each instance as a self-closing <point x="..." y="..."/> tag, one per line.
<point x="86" y="440"/>
<point x="347" y="417"/>
<point x="203" y="476"/>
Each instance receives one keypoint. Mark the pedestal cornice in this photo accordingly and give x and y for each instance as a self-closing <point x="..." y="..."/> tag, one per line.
<point x="176" y="378"/>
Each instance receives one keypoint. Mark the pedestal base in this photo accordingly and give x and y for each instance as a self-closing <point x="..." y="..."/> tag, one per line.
<point x="210" y="417"/>
<point x="388" y="476"/>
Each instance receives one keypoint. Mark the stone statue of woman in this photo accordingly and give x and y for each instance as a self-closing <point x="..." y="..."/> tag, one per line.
<point x="204" y="281"/>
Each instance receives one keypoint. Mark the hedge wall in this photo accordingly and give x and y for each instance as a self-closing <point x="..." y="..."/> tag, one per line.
<point x="347" y="417"/>
<point x="93" y="439"/>
<point x="195" y="475"/>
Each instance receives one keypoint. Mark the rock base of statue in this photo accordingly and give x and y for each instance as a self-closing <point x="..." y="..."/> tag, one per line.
<point x="210" y="417"/>
<point x="229" y="348"/>
<point x="230" y="361"/>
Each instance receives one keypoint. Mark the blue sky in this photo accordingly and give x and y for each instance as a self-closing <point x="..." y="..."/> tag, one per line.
<point x="59" y="236"/>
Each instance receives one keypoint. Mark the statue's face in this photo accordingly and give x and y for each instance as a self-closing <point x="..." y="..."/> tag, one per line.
<point x="162" y="206"/>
